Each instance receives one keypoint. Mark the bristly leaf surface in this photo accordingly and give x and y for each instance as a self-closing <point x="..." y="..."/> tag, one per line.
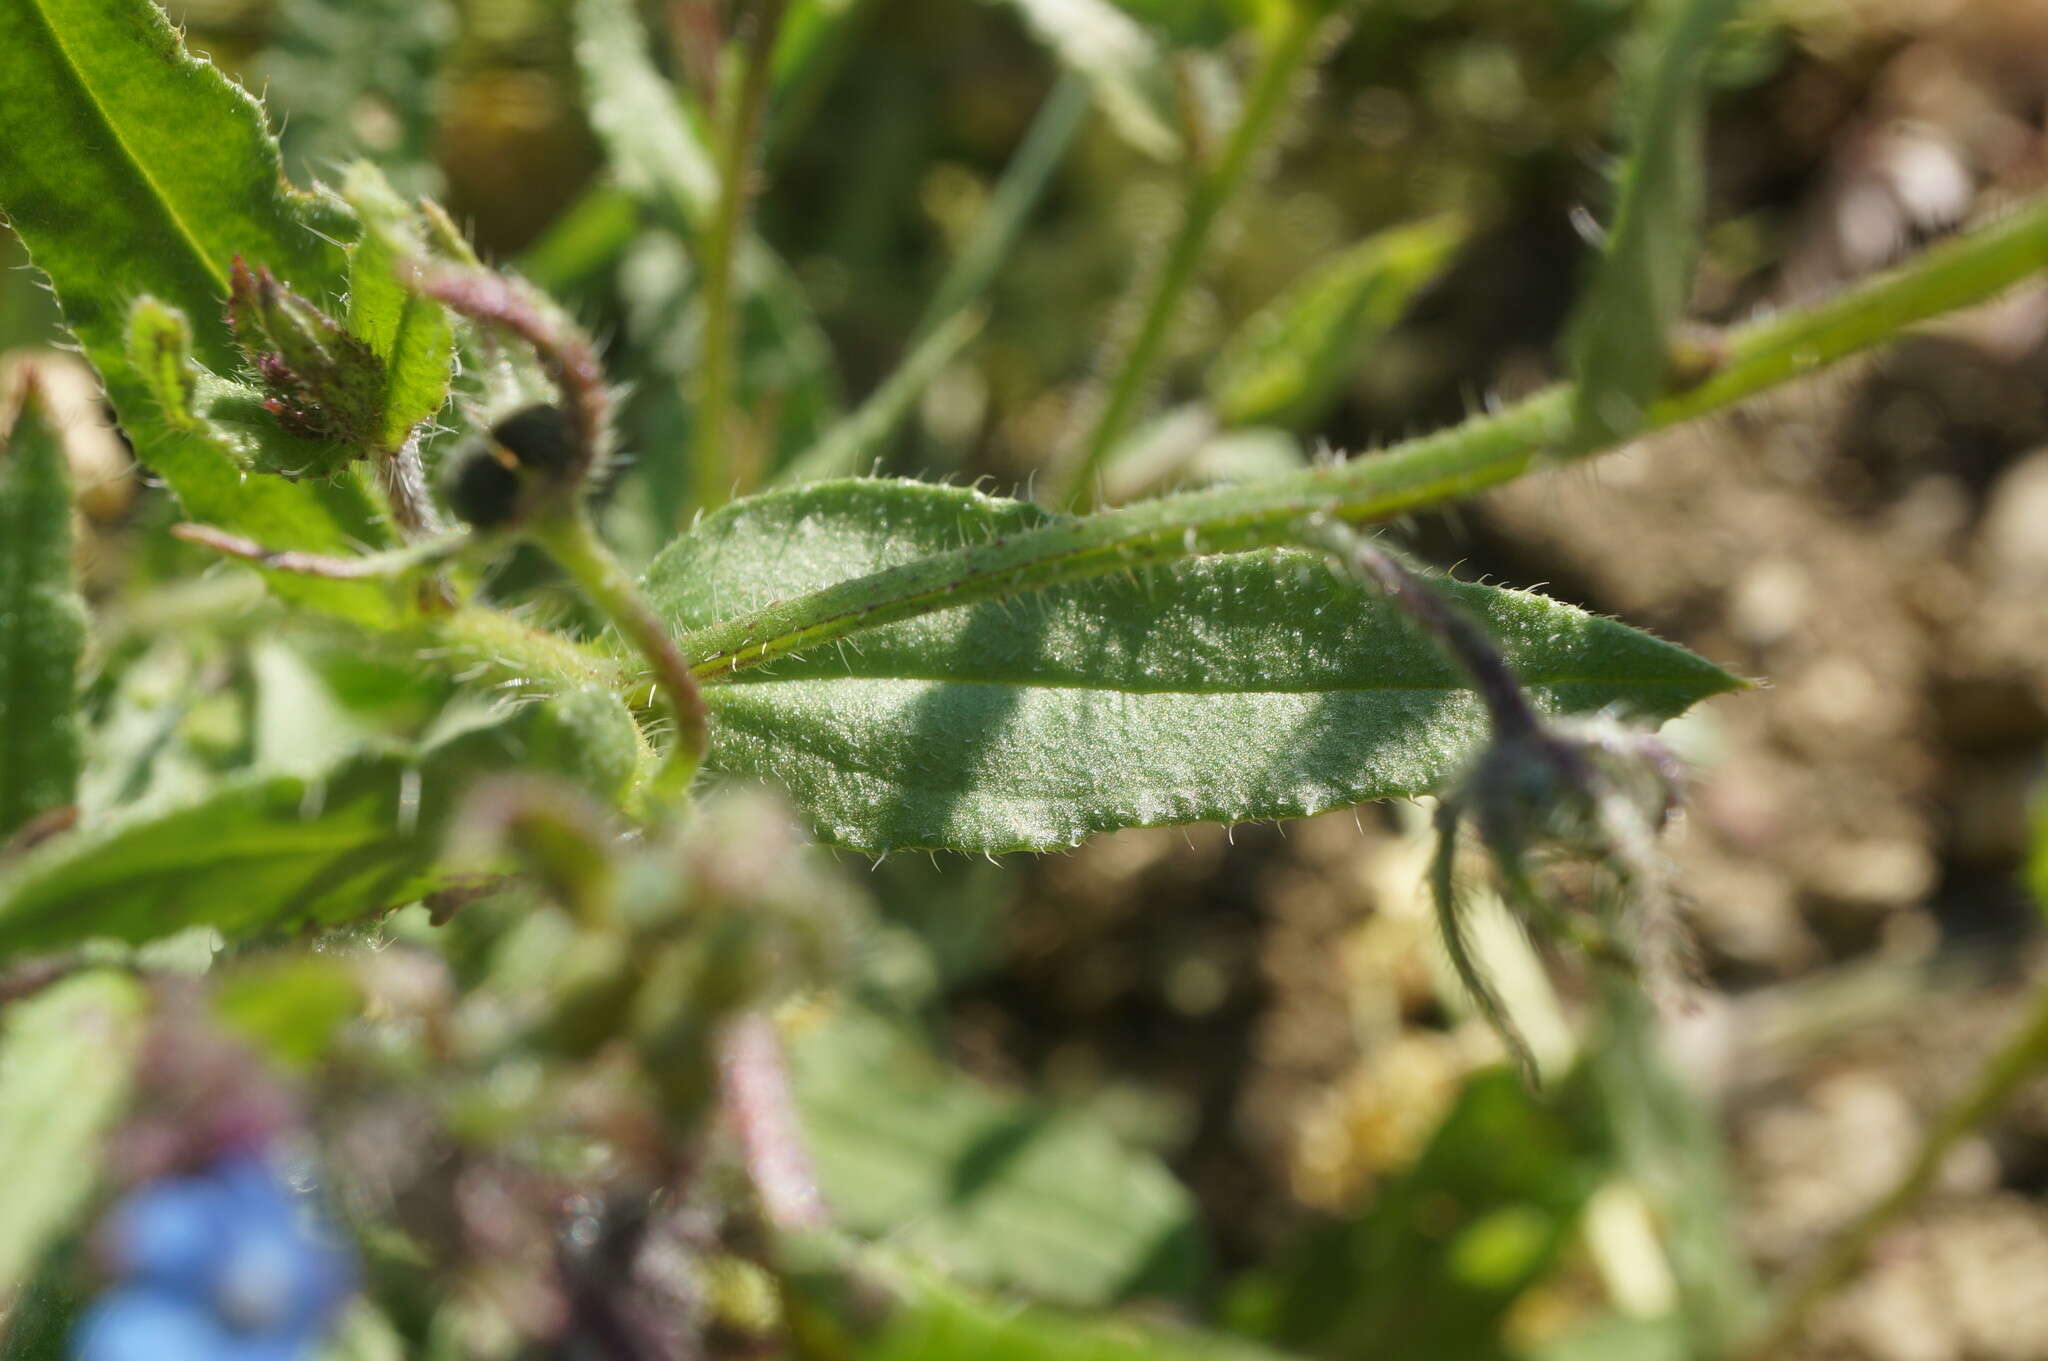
<point x="1237" y="687"/>
<point x="130" y="167"/>
<point x="42" y="622"/>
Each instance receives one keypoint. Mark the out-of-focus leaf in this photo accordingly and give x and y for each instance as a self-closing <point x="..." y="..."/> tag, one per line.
<point x="1225" y="688"/>
<point x="289" y="1006"/>
<point x="267" y="853"/>
<point x="1621" y="333"/>
<point x="1433" y="1266"/>
<point x="129" y="168"/>
<point x="1191" y="23"/>
<point x="1616" y="1338"/>
<point x="356" y="78"/>
<point x="989" y="1190"/>
<point x="1127" y="67"/>
<point x="403" y="327"/>
<point x="1182" y="448"/>
<point x="66" y="1058"/>
<point x="584" y="242"/>
<point x="1288" y="363"/>
<point x="42" y="620"/>
<point x="873" y="1306"/>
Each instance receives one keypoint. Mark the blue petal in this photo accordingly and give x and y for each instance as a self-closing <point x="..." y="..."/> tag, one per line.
<point x="148" y="1325"/>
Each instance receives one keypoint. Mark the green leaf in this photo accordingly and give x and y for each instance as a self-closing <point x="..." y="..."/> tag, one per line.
<point x="1122" y="61"/>
<point x="1446" y="1248"/>
<point x="268" y="853"/>
<point x="1230" y="687"/>
<point x="211" y="428"/>
<point x="989" y="1190"/>
<point x="42" y="620"/>
<point x="132" y="168"/>
<point x="1621" y="334"/>
<point x="871" y="1305"/>
<point x="404" y="328"/>
<point x="1289" y="362"/>
<point x="66" y="1058"/>
<point x="289" y="1005"/>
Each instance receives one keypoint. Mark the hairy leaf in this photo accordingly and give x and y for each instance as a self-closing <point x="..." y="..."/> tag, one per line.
<point x="1225" y="688"/>
<point x="66" y="1058"/>
<point x="1290" y="361"/>
<point x="130" y="168"/>
<point x="403" y="327"/>
<point x="1621" y="334"/>
<point x="989" y="1190"/>
<point x="267" y="853"/>
<point x="42" y="620"/>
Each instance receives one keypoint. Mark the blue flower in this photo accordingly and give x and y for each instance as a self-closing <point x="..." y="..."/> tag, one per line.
<point x="228" y="1265"/>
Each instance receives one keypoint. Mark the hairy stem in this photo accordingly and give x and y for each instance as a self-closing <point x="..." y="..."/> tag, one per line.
<point x="711" y="461"/>
<point x="1483" y="452"/>
<point x="571" y="540"/>
<point x="1214" y="187"/>
<point x="2022" y="1057"/>
<point x="753" y="1075"/>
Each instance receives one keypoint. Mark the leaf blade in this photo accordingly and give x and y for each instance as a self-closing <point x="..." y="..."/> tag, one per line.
<point x="132" y="168"/>
<point x="1621" y="332"/>
<point x="66" y="1060"/>
<point x="42" y="619"/>
<point x="1222" y="688"/>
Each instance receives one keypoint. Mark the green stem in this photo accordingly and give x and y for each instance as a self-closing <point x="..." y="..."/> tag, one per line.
<point x="573" y="543"/>
<point x="2023" y="1056"/>
<point x="1213" y="190"/>
<point x="711" y="461"/>
<point x="1481" y="453"/>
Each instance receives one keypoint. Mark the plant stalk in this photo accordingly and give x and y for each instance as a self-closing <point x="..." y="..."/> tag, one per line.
<point x="711" y="462"/>
<point x="2022" y="1057"/>
<point x="1483" y="452"/>
<point x="1214" y="187"/>
<point x="572" y="541"/>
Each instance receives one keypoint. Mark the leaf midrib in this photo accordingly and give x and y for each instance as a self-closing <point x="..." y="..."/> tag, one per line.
<point x="1619" y="681"/>
<point x="92" y="99"/>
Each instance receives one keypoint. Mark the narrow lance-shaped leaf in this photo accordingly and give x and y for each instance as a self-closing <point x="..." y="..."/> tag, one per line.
<point x="42" y="620"/>
<point x="1621" y="334"/>
<point x="403" y="327"/>
<point x="1225" y="688"/>
<point x="267" y="853"/>
<point x="1287" y="364"/>
<point x="130" y="168"/>
<point x="989" y="1190"/>
<point x="66" y="1060"/>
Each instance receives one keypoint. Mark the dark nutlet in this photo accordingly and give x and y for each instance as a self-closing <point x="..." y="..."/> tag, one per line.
<point x="540" y="440"/>
<point x="482" y="491"/>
